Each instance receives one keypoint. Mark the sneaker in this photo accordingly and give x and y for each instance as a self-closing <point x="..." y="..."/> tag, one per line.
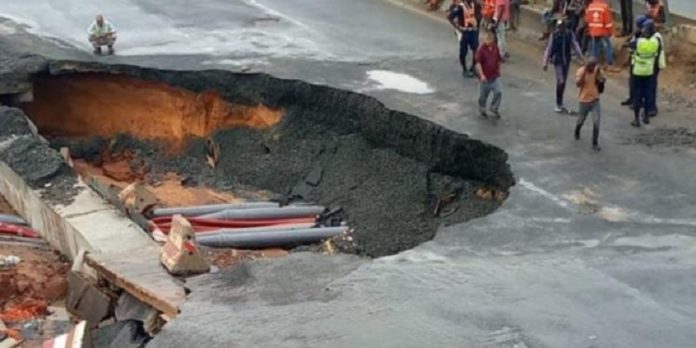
<point x="98" y="51"/>
<point x="483" y="113"/>
<point x="596" y="147"/>
<point x="559" y="109"/>
<point x="627" y="102"/>
<point x="646" y="120"/>
<point x="495" y="113"/>
<point x="635" y="124"/>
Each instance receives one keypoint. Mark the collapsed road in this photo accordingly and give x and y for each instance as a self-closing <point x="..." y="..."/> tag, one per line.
<point x="393" y="177"/>
<point x="583" y="249"/>
<point x="387" y="170"/>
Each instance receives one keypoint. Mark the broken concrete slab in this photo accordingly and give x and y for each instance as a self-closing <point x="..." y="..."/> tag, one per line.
<point x="314" y="177"/>
<point x="87" y="223"/>
<point x="139" y="273"/>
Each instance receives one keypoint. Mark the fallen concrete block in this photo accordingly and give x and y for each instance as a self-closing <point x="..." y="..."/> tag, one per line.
<point x="180" y="254"/>
<point x="78" y="337"/>
<point x="139" y="272"/>
<point x="122" y="334"/>
<point x="9" y="342"/>
<point x="86" y="301"/>
<point x="130" y="308"/>
<point x="137" y="199"/>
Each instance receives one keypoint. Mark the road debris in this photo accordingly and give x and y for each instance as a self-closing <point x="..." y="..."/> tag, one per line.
<point x="78" y="337"/>
<point x="180" y="254"/>
<point x="7" y="261"/>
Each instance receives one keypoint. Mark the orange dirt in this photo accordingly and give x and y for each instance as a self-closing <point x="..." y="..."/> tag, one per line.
<point x="41" y="275"/>
<point x="230" y="257"/>
<point x="105" y="105"/>
<point x="169" y="191"/>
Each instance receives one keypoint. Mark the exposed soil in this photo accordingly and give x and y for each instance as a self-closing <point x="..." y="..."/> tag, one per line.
<point x="231" y="257"/>
<point x="27" y="289"/>
<point x="170" y="190"/>
<point x="96" y="105"/>
<point x="41" y="275"/>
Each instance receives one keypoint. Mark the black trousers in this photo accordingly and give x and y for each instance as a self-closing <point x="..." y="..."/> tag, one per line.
<point x="627" y="16"/>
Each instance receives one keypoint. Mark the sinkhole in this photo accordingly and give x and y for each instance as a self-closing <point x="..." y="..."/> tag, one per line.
<point x="213" y="136"/>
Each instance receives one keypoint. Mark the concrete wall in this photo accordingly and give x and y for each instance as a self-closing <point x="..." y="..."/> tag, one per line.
<point x="87" y="223"/>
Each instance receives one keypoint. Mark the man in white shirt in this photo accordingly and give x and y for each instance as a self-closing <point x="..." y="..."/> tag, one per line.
<point x="102" y="33"/>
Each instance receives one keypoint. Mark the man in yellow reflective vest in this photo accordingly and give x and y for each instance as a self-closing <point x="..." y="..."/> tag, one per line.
<point x="644" y="58"/>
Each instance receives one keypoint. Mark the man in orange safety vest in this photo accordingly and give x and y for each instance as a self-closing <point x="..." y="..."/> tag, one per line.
<point x="600" y="28"/>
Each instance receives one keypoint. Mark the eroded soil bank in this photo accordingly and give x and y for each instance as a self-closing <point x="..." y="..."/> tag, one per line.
<point x="396" y="177"/>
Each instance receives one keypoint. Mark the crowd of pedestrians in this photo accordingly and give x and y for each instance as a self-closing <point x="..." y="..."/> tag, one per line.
<point x="575" y="28"/>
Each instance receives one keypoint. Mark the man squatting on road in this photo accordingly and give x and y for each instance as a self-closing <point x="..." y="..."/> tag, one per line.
<point x="102" y="33"/>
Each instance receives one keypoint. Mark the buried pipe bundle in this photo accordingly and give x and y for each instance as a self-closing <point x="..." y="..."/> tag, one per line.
<point x="11" y="219"/>
<point x="293" y="226"/>
<point x="9" y="229"/>
<point x="165" y="223"/>
<point x="287" y="212"/>
<point x="210" y="208"/>
<point x="270" y="238"/>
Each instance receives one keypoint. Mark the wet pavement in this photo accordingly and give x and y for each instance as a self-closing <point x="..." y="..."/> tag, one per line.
<point x="590" y="250"/>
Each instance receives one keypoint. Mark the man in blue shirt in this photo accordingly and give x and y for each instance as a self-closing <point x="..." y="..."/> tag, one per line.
<point x="560" y="50"/>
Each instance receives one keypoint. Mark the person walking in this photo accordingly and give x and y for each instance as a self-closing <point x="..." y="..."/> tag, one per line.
<point x="574" y="12"/>
<point x="626" y="17"/>
<point x="590" y="80"/>
<point x="463" y="19"/>
<point x="560" y="50"/>
<point x="515" y="14"/>
<point x="660" y="64"/>
<point x="644" y="56"/>
<point x="488" y="60"/>
<point x="600" y="27"/>
<point x="501" y="18"/>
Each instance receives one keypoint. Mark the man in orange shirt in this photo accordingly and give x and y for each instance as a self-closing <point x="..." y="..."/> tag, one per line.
<point x="590" y="80"/>
<point x="600" y="27"/>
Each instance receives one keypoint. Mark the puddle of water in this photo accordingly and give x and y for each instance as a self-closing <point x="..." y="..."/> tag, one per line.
<point x="613" y="214"/>
<point x="7" y="30"/>
<point x="650" y="241"/>
<point x="400" y="82"/>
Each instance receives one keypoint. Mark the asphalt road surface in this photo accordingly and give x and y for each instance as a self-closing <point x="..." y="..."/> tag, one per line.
<point x="590" y="250"/>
